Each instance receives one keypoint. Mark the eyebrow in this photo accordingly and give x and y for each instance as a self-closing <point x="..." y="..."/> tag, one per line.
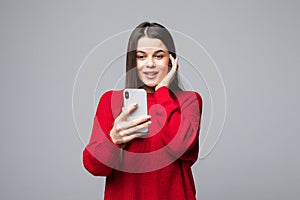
<point x="158" y="51"/>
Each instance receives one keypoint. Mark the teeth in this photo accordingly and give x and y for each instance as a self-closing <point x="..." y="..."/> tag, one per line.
<point x="150" y="73"/>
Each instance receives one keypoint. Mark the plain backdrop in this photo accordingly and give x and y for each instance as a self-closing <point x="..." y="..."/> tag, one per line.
<point x="255" y="44"/>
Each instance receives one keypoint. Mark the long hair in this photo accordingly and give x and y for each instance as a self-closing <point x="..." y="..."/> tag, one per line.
<point x="153" y="30"/>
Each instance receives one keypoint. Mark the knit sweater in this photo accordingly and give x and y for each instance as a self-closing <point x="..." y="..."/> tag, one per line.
<point x="156" y="166"/>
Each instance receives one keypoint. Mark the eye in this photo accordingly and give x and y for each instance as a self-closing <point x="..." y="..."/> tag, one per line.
<point x="140" y="57"/>
<point x="159" y="56"/>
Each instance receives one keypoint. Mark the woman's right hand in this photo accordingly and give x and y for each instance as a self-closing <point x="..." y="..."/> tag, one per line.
<point x="123" y="130"/>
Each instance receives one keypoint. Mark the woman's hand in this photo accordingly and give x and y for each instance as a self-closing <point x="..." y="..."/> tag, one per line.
<point x="170" y="76"/>
<point x="123" y="130"/>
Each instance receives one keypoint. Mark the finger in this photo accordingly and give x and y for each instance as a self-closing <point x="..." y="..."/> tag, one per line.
<point x="135" y="122"/>
<point x="126" y="111"/>
<point x="119" y="116"/>
<point x="134" y="129"/>
<point x="128" y="124"/>
<point x="131" y="137"/>
<point x="174" y="62"/>
<point x="171" y="58"/>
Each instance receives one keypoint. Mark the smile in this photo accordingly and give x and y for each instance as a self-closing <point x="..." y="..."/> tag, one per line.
<point x="150" y="75"/>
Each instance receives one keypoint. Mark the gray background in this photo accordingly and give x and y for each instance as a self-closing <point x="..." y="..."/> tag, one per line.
<point x="254" y="43"/>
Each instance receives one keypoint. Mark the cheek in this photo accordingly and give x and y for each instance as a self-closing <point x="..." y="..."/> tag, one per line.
<point x="164" y="72"/>
<point x="166" y="64"/>
<point x="139" y="67"/>
<point x="138" y="64"/>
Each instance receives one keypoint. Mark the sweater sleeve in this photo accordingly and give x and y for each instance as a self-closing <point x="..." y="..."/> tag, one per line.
<point x="181" y="116"/>
<point x="101" y="154"/>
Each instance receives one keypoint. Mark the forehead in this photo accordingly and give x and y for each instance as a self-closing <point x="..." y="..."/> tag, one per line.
<point x="154" y="44"/>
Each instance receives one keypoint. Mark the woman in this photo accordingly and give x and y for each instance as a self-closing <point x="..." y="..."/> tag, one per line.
<point x="156" y="165"/>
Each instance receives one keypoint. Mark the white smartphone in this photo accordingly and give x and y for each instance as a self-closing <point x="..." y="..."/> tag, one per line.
<point x="138" y="96"/>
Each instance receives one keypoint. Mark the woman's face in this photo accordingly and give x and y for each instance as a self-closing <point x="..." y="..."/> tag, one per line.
<point x="152" y="59"/>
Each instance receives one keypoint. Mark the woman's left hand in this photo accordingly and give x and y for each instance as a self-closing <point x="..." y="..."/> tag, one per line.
<point x="167" y="80"/>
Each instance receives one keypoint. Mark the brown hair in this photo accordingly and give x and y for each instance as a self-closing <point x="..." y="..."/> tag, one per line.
<point x="152" y="30"/>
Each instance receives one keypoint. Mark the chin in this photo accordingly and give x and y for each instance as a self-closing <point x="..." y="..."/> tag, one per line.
<point x="151" y="84"/>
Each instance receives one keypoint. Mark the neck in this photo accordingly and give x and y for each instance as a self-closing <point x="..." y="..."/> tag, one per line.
<point x="148" y="89"/>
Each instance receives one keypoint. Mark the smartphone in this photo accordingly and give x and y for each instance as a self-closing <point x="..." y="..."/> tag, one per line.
<point x="139" y="96"/>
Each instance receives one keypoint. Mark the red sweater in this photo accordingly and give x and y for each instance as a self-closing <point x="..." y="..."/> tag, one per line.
<point x="157" y="166"/>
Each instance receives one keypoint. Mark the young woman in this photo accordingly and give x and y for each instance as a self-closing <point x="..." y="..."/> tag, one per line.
<point x="155" y="165"/>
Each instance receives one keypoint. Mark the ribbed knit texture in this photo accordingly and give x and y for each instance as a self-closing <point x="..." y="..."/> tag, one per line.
<point x="174" y="133"/>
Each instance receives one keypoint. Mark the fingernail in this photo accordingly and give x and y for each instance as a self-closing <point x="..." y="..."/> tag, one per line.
<point x="149" y="122"/>
<point x="149" y="117"/>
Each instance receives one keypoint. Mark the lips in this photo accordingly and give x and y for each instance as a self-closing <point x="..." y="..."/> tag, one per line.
<point x="150" y="75"/>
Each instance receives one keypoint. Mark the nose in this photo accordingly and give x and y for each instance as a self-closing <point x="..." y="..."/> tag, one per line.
<point x="150" y="63"/>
